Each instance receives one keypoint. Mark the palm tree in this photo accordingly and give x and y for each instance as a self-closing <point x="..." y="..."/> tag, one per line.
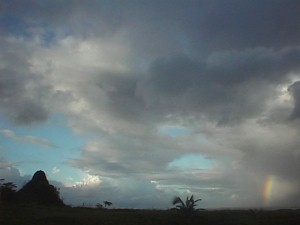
<point x="107" y="203"/>
<point x="188" y="207"/>
<point x="7" y="191"/>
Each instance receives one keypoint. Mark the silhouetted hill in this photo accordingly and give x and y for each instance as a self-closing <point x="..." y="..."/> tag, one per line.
<point x="39" y="177"/>
<point x="38" y="190"/>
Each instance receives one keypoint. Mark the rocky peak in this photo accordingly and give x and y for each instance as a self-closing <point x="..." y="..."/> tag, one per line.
<point x="39" y="177"/>
<point x="39" y="190"/>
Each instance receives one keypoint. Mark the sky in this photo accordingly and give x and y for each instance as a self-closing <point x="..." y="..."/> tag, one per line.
<point x="137" y="101"/>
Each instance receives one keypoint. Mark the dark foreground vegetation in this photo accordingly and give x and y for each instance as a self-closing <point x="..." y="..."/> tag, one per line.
<point x="31" y="214"/>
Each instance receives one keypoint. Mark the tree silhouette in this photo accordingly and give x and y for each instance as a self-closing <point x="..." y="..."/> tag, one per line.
<point x="187" y="207"/>
<point x="7" y="191"/>
<point x="107" y="203"/>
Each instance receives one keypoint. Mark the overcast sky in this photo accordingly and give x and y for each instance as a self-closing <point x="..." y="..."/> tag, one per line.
<point x="139" y="101"/>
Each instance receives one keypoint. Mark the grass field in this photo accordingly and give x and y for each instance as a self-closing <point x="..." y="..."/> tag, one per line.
<point x="42" y="215"/>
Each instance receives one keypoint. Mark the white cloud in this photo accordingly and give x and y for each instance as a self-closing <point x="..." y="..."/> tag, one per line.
<point x="88" y="181"/>
<point x="10" y="173"/>
<point x="55" y="170"/>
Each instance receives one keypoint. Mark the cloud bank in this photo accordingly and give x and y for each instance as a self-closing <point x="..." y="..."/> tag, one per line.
<point x="226" y="73"/>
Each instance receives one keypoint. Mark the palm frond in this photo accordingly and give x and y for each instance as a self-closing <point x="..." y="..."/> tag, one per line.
<point x="177" y="200"/>
<point x="197" y="200"/>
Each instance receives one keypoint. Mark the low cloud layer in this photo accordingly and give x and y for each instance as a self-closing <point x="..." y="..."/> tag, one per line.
<point x="26" y="139"/>
<point x="226" y="74"/>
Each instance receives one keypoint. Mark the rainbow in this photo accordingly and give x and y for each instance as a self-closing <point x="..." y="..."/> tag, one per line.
<point x="268" y="187"/>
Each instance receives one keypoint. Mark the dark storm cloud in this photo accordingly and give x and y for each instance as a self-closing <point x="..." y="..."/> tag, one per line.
<point x="228" y="86"/>
<point x="247" y="24"/>
<point x="159" y="25"/>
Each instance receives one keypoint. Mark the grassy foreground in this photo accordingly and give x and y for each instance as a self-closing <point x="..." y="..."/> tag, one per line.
<point x="42" y="215"/>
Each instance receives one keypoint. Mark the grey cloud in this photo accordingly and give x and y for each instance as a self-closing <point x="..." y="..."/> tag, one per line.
<point x="207" y="25"/>
<point x="64" y="18"/>
<point x="294" y="89"/>
<point x="265" y="64"/>
<point x="267" y="150"/>
<point x="222" y="87"/>
<point x="17" y="105"/>
<point x="21" y="90"/>
<point x="122" y="99"/>
<point x="29" y="112"/>
<point x="143" y="158"/>
<point x="247" y="24"/>
<point x="283" y="163"/>
<point x="122" y="154"/>
<point x="271" y="153"/>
